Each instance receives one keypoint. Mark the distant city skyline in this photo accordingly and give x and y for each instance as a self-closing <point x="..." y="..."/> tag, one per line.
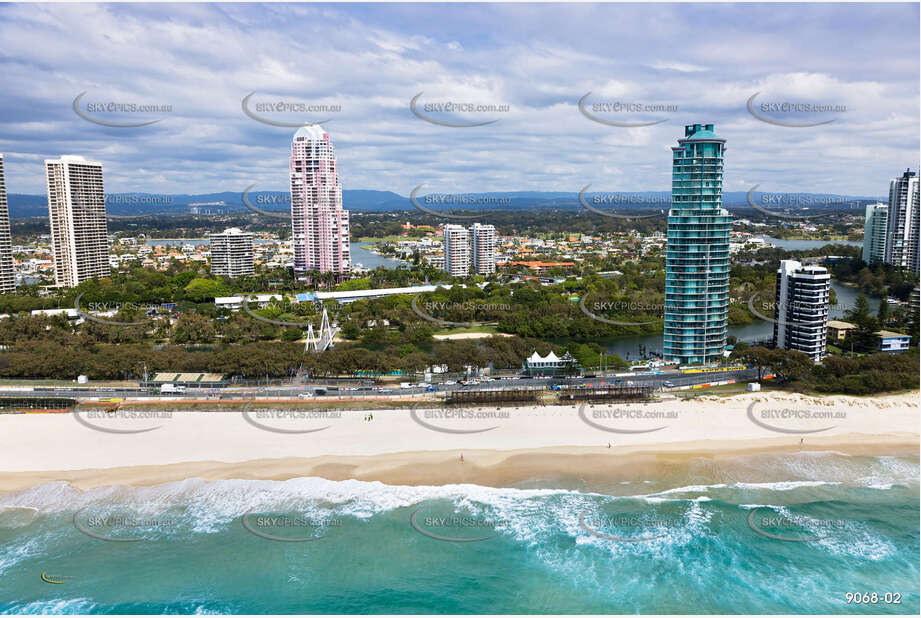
<point x="222" y="70"/>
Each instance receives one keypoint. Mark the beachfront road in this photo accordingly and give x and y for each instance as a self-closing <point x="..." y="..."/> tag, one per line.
<point x="348" y="389"/>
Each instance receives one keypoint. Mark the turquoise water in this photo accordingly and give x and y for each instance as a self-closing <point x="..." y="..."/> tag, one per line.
<point x="680" y="543"/>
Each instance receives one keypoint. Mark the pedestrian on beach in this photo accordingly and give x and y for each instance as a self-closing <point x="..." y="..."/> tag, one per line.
<point x="462" y="458"/>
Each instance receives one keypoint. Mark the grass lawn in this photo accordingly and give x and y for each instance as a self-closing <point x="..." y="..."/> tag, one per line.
<point x="722" y="390"/>
<point x="472" y="329"/>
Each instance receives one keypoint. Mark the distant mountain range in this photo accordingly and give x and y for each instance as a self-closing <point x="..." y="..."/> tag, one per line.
<point x="26" y="205"/>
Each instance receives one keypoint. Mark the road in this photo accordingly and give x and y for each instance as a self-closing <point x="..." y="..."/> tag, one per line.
<point x="281" y="392"/>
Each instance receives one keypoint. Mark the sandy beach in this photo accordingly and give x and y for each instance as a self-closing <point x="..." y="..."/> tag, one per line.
<point x="422" y="446"/>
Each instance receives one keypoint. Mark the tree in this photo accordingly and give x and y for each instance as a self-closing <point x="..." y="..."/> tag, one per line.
<point x="790" y="364"/>
<point x="758" y="356"/>
<point x="201" y="290"/>
<point x="193" y="328"/>
<point x="863" y="337"/>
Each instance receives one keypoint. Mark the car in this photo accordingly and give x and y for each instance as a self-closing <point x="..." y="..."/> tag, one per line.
<point x="450" y="382"/>
<point x="304" y="395"/>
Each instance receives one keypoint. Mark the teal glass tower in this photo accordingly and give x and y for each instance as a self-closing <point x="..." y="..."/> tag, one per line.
<point x="697" y="259"/>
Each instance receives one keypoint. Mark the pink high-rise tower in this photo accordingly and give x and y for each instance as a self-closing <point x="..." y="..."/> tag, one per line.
<point x="319" y="225"/>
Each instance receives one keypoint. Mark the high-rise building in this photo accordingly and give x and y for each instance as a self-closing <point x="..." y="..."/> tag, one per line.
<point x="903" y="222"/>
<point x="697" y="257"/>
<point x="232" y="253"/>
<point x="874" y="233"/>
<point x="801" y="315"/>
<point x="77" y="213"/>
<point x="483" y="248"/>
<point x="319" y="225"/>
<point x="457" y="250"/>
<point x="7" y="274"/>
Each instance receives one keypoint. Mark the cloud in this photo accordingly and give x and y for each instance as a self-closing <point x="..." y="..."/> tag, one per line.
<point x="537" y="59"/>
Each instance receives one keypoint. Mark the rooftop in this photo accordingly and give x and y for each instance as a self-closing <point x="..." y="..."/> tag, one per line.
<point x="310" y="131"/>
<point x="700" y="132"/>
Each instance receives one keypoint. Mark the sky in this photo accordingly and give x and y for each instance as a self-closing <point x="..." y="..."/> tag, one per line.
<point x="531" y="63"/>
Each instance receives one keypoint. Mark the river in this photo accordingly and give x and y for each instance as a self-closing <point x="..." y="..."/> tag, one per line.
<point x="796" y="245"/>
<point x="628" y="347"/>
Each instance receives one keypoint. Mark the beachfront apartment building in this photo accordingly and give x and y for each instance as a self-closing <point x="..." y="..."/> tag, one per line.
<point x="232" y="253"/>
<point x="77" y="217"/>
<point x="7" y="274"/>
<point x="874" y="233"/>
<point x="903" y="224"/>
<point x="483" y="248"/>
<point x="838" y="330"/>
<point x="319" y="224"/>
<point x="801" y="308"/>
<point x="456" y="250"/>
<point x="888" y="341"/>
<point x="697" y="254"/>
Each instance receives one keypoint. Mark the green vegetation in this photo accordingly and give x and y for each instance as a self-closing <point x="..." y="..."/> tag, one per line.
<point x="876" y="373"/>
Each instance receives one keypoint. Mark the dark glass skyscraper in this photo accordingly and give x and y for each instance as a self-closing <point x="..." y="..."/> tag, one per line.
<point x="697" y="260"/>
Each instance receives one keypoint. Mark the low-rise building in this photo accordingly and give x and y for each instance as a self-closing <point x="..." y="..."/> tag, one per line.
<point x="235" y="303"/>
<point x="892" y="342"/>
<point x="838" y="330"/>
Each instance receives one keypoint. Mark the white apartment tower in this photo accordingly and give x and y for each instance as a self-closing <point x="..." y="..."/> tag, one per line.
<point x="232" y="253"/>
<point x="319" y="225"/>
<point x="874" y="233"/>
<point x="903" y="222"/>
<point x="801" y="316"/>
<point x="77" y="214"/>
<point x="457" y="250"/>
<point x="483" y="248"/>
<point x="7" y="275"/>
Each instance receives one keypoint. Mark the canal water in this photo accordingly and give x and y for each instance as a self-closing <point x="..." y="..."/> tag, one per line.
<point x="796" y="245"/>
<point x="629" y="347"/>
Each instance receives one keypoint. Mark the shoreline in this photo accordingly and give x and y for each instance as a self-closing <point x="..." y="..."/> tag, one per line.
<point x="490" y="468"/>
<point x="422" y="445"/>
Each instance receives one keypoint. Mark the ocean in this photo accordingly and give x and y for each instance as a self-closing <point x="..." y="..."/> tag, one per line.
<point x="760" y="533"/>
